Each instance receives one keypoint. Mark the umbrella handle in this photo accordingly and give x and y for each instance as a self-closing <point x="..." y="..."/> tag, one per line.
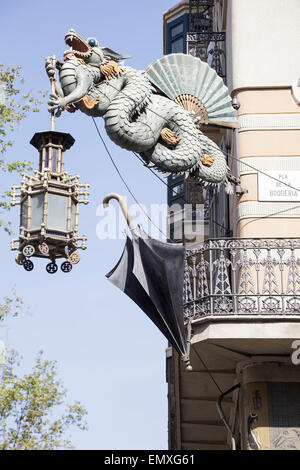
<point x="124" y="208"/>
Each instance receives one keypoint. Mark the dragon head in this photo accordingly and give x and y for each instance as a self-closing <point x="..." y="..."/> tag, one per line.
<point x="78" y="46"/>
<point x="89" y="49"/>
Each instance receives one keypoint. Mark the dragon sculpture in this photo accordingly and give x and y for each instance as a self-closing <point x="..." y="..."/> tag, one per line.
<point x="154" y="112"/>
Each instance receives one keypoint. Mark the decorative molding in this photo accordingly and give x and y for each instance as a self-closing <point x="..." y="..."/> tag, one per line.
<point x="176" y="11"/>
<point x="253" y="210"/>
<point x="296" y="91"/>
<point x="268" y="163"/>
<point x="261" y="122"/>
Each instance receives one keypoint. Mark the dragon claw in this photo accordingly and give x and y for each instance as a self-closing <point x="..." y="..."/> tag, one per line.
<point x="207" y="160"/>
<point x="169" y="136"/>
<point x="55" y="103"/>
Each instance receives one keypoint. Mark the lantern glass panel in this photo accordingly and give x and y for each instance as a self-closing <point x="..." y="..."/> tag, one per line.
<point x="54" y="159"/>
<point x="73" y="211"/>
<point x="37" y="210"/>
<point x="24" y="213"/>
<point x="57" y="211"/>
<point x="47" y="158"/>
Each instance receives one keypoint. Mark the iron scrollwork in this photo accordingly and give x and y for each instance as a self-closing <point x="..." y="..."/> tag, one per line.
<point x="243" y="277"/>
<point x="210" y="47"/>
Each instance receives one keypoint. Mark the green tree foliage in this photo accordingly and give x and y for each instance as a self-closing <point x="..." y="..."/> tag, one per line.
<point x="11" y="305"/>
<point x="33" y="415"/>
<point x="30" y="408"/>
<point x="14" y="107"/>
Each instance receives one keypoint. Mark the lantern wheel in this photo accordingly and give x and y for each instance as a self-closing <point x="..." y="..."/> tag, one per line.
<point x="20" y="258"/>
<point x="74" y="258"/>
<point x="43" y="248"/>
<point x="28" y="250"/>
<point x="28" y="265"/>
<point x="51" y="268"/>
<point x="66" y="267"/>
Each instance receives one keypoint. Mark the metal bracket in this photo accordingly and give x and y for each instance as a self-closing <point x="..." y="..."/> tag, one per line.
<point x="237" y="183"/>
<point x="240" y="191"/>
<point x="233" y="179"/>
<point x="186" y="357"/>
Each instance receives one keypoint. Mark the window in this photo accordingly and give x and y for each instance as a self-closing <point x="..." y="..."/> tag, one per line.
<point x="178" y="190"/>
<point x="177" y="30"/>
<point x="176" y="34"/>
<point x="177" y="46"/>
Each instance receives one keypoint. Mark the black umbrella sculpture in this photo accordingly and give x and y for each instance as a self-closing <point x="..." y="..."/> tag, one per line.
<point x="151" y="273"/>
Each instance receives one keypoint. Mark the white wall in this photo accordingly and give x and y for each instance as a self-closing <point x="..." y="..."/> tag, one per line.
<point x="263" y="43"/>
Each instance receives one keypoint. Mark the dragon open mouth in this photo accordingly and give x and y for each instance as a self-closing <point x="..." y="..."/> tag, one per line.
<point x="78" y="45"/>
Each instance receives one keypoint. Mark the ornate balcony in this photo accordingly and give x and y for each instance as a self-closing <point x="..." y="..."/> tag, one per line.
<point x="201" y="15"/>
<point x="238" y="276"/>
<point x="210" y="47"/>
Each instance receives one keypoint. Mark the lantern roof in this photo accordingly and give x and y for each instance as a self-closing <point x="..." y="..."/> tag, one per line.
<point x="46" y="137"/>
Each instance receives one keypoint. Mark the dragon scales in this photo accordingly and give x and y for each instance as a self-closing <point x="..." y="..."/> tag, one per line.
<point x="138" y="115"/>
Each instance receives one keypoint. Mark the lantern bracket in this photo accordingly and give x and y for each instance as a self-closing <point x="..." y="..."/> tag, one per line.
<point x="13" y="242"/>
<point x="83" y="193"/>
<point x="14" y="194"/>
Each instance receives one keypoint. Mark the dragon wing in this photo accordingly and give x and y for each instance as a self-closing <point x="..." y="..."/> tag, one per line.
<point x="112" y="55"/>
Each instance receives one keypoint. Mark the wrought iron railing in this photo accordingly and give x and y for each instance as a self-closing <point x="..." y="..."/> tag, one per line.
<point x="239" y="276"/>
<point x="201" y="15"/>
<point x="210" y="47"/>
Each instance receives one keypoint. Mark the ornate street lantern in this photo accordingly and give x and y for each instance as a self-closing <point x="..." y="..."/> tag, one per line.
<point x="49" y="203"/>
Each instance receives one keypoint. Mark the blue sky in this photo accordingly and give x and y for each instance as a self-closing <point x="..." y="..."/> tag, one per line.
<point x="110" y="356"/>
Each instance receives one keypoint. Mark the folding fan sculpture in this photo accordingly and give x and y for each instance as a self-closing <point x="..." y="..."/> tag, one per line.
<point x="150" y="272"/>
<point x="156" y="112"/>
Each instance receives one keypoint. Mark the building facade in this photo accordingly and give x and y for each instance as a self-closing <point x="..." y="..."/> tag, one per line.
<point x="209" y="45"/>
<point x="242" y="284"/>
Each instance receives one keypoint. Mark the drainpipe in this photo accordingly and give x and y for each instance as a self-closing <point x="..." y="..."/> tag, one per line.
<point x="222" y="415"/>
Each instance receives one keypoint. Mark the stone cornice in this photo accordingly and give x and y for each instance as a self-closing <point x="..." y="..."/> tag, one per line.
<point x="261" y="122"/>
<point x="268" y="163"/>
<point x="254" y="210"/>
